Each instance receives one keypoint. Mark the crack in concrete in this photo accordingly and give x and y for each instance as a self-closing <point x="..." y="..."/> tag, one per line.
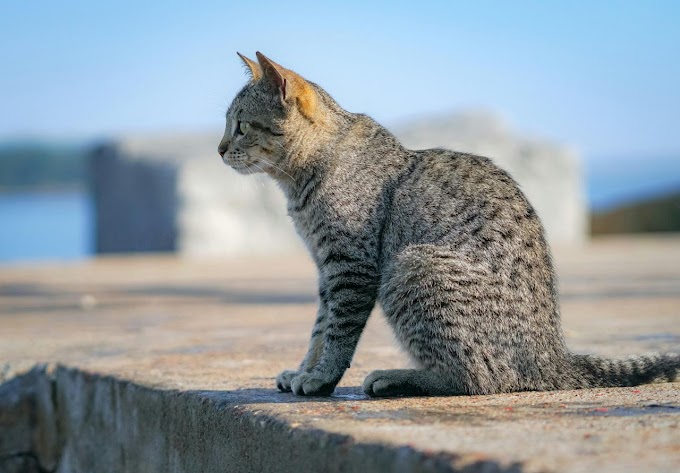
<point x="22" y="462"/>
<point x="27" y="418"/>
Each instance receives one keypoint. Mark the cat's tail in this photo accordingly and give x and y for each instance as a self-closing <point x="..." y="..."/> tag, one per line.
<point x="593" y="371"/>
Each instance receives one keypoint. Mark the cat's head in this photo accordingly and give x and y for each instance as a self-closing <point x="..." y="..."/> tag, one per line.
<point x="270" y="113"/>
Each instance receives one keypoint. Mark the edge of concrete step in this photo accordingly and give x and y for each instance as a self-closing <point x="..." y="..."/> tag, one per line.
<point x="60" y="418"/>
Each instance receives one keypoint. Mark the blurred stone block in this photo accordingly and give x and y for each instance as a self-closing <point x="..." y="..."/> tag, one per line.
<point x="550" y="174"/>
<point x="136" y="201"/>
<point x="173" y="193"/>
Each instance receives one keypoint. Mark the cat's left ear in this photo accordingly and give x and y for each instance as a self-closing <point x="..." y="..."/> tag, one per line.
<point x="253" y="67"/>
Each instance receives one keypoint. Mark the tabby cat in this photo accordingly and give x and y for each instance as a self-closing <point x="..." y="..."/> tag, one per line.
<point x="444" y="241"/>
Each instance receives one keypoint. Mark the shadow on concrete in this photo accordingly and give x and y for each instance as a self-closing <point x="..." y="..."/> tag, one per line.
<point x="450" y="413"/>
<point x="224" y="294"/>
<point x="621" y="293"/>
<point x="25" y="290"/>
<point x="274" y="396"/>
<point x="29" y="298"/>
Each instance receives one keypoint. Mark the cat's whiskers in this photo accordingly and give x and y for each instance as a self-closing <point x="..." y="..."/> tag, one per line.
<point x="246" y="183"/>
<point x="261" y="170"/>
<point x="270" y="163"/>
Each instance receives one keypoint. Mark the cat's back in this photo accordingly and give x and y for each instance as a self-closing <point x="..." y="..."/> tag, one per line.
<point x="461" y="199"/>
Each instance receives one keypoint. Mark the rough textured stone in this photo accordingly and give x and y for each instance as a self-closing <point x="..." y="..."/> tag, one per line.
<point x="165" y="364"/>
<point x="174" y="193"/>
<point x="28" y="427"/>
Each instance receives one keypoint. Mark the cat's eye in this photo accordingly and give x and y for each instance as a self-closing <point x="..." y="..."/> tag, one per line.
<point x="241" y="128"/>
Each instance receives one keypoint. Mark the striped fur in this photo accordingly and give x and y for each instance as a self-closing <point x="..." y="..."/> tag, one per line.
<point x="445" y="242"/>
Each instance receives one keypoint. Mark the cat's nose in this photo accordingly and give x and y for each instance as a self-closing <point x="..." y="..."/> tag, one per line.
<point x="222" y="149"/>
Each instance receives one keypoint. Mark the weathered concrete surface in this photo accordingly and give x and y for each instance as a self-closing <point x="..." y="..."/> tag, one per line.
<point x="161" y="364"/>
<point x="28" y="427"/>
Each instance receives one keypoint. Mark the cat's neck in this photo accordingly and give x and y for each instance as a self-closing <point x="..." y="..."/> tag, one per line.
<point x="314" y="148"/>
<point x="297" y="181"/>
<point x="340" y="141"/>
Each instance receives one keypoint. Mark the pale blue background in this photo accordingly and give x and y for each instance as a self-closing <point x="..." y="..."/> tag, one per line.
<point x="45" y="226"/>
<point x="601" y="75"/>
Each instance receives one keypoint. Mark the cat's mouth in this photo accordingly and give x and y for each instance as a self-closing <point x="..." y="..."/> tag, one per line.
<point x="245" y="168"/>
<point x="241" y="165"/>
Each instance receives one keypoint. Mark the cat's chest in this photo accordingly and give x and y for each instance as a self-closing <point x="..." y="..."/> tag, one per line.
<point x="334" y="220"/>
<point x="312" y="227"/>
<point x="316" y="222"/>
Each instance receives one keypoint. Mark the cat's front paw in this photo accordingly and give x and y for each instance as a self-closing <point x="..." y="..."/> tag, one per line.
<point x="312" y="384"/>
<point x="284" y="379"/>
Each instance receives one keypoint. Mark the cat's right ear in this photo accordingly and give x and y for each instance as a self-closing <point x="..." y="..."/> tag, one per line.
<point x="253" y="67"/>
<point x="292" y="88"/>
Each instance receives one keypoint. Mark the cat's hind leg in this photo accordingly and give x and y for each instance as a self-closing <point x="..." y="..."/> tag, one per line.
<point x="444" y="308"/>
<point x="410" y="382"/>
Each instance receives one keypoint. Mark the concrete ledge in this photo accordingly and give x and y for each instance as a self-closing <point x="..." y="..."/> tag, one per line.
<point x="159" y="364"/>
<point x="28" y="421"/>
<point x="108" y="424"/>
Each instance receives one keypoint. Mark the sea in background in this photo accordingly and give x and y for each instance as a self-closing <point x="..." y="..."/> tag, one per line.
<point x="39" y="226"/>
<point x="615" y="181"/>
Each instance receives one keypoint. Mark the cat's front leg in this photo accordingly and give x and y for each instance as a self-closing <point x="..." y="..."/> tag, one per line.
<point x="284" y="379"/>
<point x="350" y="295"/>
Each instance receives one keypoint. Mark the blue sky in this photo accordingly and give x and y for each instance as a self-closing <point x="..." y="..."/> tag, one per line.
<point x="602" y="76"/>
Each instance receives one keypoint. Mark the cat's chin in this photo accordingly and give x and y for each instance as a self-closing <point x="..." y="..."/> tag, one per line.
<point x="246" y="169"/>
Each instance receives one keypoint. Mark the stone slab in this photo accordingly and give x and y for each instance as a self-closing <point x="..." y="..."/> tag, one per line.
<point x="167" y="364"/>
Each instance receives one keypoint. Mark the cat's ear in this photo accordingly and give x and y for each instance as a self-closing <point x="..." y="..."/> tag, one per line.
<point x="274" y="73"/>
<point x="292" y="87"/>
<point x="253" y="67"/>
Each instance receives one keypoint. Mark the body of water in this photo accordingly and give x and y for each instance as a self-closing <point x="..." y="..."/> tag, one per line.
<point x="45" y="226"/>
<point x="611" y="182"/>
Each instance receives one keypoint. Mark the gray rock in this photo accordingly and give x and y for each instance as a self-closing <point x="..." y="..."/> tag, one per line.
<point x="173" y="193"/>
<point x="29" y="438"/>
